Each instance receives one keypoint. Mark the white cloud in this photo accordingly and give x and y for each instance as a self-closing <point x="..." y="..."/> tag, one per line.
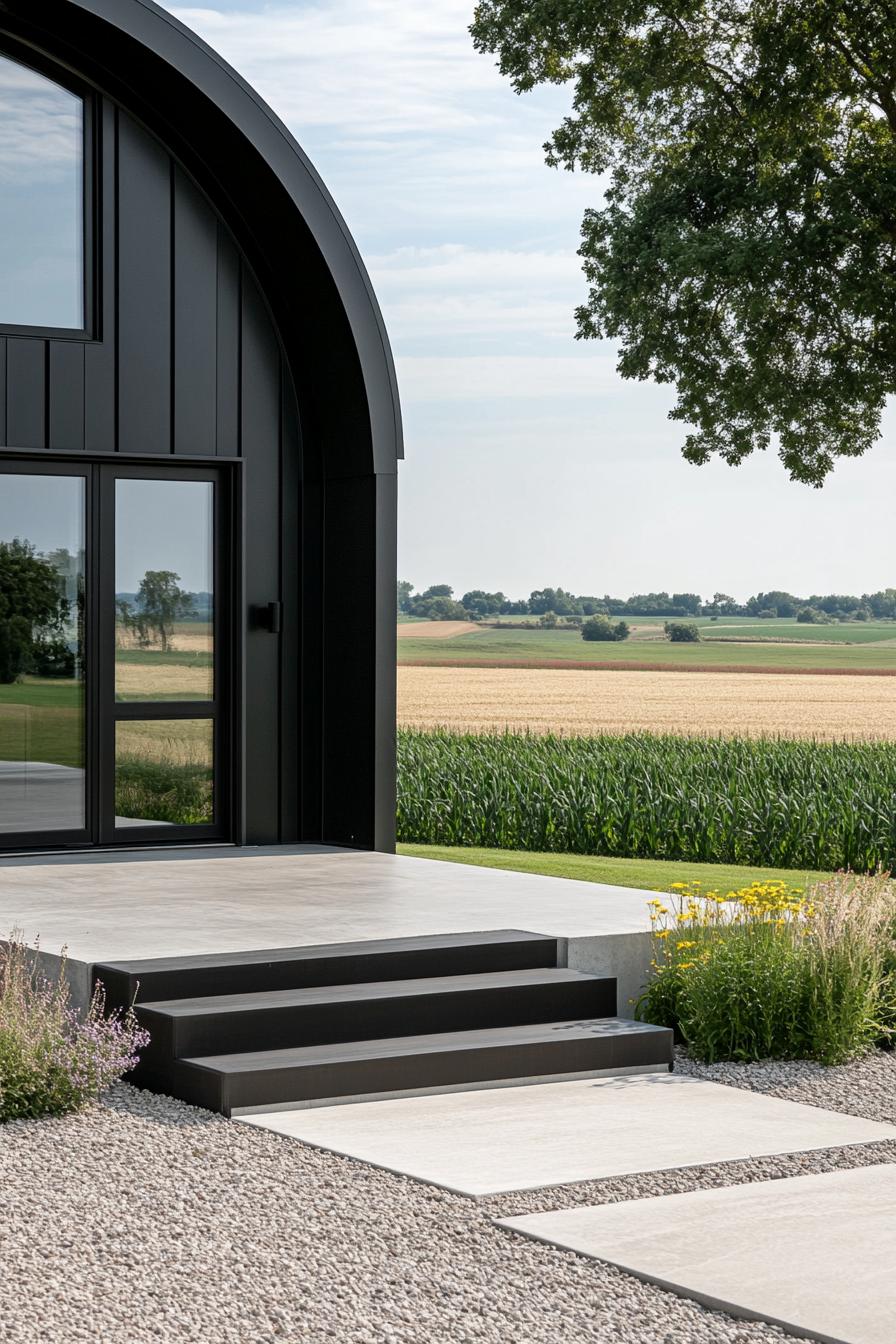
<point x="449" y="298"/>
<point x="40" y="126"/>
<point x="484" y="378"/>
<point x="418" y="136"/>
<point x="517" y="435"/>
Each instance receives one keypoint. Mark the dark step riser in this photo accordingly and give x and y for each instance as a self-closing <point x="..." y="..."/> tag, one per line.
<point x="372" y="1019"/>
<point x="316" y="972"/>
<point x="203" y="1087"/>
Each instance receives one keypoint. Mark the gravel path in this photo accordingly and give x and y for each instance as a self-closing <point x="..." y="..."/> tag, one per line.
<point x="147" y="1220"/>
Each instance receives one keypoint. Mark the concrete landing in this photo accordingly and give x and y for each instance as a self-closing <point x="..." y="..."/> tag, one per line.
<point x="811" y="1253"/>
<point x="124" y="906"/>
<point x="522" y="1138"/>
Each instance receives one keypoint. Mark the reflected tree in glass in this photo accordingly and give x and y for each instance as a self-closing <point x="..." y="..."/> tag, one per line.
<point x="34" y="613"/>
<point x="164" y="590"/>
<point x="42" y="605"/>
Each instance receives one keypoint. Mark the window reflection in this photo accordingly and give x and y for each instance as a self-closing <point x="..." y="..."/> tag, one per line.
<point x="164" y="590"/>
<point x="41" y="201"/>
<point x="41" y="653"/>
<point x="164" y="772"/>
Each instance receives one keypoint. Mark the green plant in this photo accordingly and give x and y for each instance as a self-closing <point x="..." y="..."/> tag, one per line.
<point x="53" y="1060"/>
<point x="602" y="629"/>
<point x="181" y="795"/>
<point x="682" y="632"/>
<point x="767" y="972"/>
<point x="758" y="802"/>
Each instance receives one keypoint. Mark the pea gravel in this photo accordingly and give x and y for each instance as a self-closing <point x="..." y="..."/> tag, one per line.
<point x="144" y="1219"/>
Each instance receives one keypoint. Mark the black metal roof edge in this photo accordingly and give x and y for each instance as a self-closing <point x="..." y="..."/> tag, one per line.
<point x="146" y="23"/>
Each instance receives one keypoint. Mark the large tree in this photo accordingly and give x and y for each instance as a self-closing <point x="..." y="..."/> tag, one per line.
<point x="160" y="603"/>
<point x="33" y="613"/>
<point x="746" y="248"/>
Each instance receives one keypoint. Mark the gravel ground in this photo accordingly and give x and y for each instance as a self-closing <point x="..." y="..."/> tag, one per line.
<point x="147" y="1220"/>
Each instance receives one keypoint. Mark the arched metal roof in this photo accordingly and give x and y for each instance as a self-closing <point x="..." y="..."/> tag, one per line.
<point x="266" y="188"/>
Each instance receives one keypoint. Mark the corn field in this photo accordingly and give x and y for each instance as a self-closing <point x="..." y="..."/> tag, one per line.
<point x="765" y="802"/>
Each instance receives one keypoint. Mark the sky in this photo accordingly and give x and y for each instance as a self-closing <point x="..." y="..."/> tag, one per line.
<point x="529" y="461"/>
<point x="41" y="210"/>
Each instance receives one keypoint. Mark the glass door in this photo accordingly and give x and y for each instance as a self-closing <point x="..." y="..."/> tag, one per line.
<point x="43" y="666"/>
<point x="162" y="675"/>
<point x="114" y="689"/>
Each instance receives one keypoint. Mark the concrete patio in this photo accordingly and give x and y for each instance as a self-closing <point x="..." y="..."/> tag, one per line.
<point x="112" y="906"/>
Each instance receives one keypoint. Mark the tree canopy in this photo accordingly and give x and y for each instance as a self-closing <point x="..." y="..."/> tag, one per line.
<point x="746" y="248"/>
<point x="33" y="612"/>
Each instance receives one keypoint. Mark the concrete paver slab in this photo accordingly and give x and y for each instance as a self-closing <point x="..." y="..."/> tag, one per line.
<point x="523" y="1138"/>
<point x="812" y="1253"/>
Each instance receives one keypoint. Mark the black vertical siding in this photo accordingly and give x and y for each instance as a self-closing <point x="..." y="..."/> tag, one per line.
<point x="144" y="292"/>
<point x="228" y="338"/>
<point x="195" y="336"/>
<point x="291" y="639"/>
<point x="26" y="393"/>
<point x="66" y="400"/>
<point x="3" y="390"/>
<point x="261" y="436"/>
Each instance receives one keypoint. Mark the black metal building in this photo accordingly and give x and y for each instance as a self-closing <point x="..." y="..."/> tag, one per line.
<point x="199" y="433"/>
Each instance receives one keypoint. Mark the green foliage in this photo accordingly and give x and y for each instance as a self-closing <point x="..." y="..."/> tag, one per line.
<point x="439" y="609"/>
<point x="178" y="794"/>
<point x="160" y="603"/>
<point x="33" y="611"/>
<point x="480" y="603"/>
<point x="752" y="801"/>
<point x="682" y="632"/>
<point x="403" y="593"/>
<point x="768" y="973"/>
<point x="745" y="250"/>
<point x="601" y="629"/>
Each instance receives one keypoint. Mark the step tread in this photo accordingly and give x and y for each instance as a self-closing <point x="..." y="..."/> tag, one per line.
<point x="319" y="951"/>
<point x="482" y="1039"/>
<point x="353" y="993"/>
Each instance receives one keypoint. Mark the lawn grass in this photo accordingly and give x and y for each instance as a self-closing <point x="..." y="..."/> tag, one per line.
<point x="646" y="874"/>
<point x="532" y="646"/>
<point x="43" y="693"/>
<point x="42" y="720"/>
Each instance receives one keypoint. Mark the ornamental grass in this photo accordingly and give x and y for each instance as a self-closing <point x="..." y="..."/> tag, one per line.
<point x="52" y="1059"/>
<point x="769" y="972"/>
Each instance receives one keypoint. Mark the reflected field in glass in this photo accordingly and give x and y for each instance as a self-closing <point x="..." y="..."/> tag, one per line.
<point x="41" y="653"/>
<point x="164" y="590"/>
<point x="164" y="772"/>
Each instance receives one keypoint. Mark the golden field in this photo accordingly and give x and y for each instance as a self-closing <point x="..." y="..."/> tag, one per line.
<point x="151" y="680"/>
<point x="590" y="702"/>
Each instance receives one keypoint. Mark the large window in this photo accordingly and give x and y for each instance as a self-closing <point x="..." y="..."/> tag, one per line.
<point x="42" y="246"/>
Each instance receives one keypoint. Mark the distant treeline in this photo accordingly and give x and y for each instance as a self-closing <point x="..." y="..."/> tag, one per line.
<point x="438" y="603"/>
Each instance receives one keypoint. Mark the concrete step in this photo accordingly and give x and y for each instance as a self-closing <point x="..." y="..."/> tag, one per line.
<point x="168" y="978"/>
<point x="277" y="1019"/>
<point x="300" y="1074"/>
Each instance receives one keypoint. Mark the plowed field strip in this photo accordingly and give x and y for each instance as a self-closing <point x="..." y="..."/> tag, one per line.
<point x="562" y="664"/>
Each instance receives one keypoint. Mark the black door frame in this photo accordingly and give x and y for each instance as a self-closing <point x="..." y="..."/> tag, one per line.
<point x="101" y="710"/>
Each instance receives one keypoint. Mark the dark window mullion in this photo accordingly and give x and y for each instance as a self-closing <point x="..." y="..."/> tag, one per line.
<point x="165" y="709"/>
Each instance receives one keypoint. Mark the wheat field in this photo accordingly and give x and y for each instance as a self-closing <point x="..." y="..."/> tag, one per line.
<point x="592" y="702"/>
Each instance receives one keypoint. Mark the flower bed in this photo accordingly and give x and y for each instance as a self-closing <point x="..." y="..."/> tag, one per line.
<point x="52" y="1060"/>
<point x="770" y="973"/>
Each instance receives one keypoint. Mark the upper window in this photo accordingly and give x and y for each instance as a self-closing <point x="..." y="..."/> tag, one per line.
<point x="41" y="201"/>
